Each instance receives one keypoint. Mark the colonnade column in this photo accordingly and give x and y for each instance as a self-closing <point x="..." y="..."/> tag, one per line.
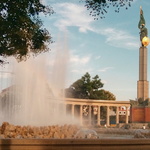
<point x="107" y="122"/>
<point x="81" y="116"/>
<point x="99" y="115"/>
<point x="64" y="109"/>
<point x="117" y="114"/>
<point x="90" y="114"/>
<point x="72" y="111"/>
<point x="127" y="114"/>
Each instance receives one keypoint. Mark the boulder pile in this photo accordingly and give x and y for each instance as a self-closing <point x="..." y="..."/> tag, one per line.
<point x="43" y="132"/>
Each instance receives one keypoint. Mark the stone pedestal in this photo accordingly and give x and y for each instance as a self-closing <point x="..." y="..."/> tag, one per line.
<point x="140" y="109"/>
<point x="137" y="114"/>
<point x="140" y="114"/>
<point x="142" y="90"/>
<point x="147" y="114"/>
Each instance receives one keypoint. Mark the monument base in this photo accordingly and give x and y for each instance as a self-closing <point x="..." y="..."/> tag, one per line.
<point x="140" y="114"/>
<point x="142" y="90"/>
<point x="147" y="114"/>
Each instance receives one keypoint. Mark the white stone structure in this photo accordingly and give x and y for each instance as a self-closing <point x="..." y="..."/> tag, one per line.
<point x="98" y="103"/>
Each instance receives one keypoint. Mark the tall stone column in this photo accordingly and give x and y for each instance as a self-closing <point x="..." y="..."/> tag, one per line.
<point x="117" y="114"/>
<point x="81" y="116"/>
<point x="99" y="115"/>
<point x="72" y="111"/>
<point x="127" y="115"/>
<point x="90" y="113"/>
<point x="140" y="109"/>
<point x="64" y="108"/>
<point x="142" y="84"/>
<point x="108" y="116"/>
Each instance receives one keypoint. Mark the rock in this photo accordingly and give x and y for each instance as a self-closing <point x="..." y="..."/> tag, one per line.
<point x="56" y="135"/>
<point x="62" y="136"/>
<point x="3" y="127"/>
<point x="57" y="132"/>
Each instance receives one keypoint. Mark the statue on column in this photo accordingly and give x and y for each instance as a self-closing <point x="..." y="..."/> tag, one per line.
<point x="143" y="30"/>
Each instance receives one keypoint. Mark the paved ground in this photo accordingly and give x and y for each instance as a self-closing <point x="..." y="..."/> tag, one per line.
<point x="118" y="133"/>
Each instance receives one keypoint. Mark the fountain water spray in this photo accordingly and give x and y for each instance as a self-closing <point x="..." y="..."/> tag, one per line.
<point x="36" y="94"/>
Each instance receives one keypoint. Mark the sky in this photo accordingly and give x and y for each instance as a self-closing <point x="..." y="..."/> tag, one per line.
<point x="107" y="47"/>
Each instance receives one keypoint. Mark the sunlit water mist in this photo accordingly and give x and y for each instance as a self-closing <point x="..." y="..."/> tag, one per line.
<point x="36" y="95"/>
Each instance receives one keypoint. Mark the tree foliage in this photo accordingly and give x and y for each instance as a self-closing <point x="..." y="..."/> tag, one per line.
<point x="104" y="95"/>
<point x="21" y="29"/>
<point x="88" y="88"/>
<point x="98" y="8"/>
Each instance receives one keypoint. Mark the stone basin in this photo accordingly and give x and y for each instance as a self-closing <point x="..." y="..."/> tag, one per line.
<point x="74" y="138"/>
<point x="74" y="144"/>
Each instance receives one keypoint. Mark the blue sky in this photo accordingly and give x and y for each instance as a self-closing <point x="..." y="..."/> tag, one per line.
<point x="106" y="47"/>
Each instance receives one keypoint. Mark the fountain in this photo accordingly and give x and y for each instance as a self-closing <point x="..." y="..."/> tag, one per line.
<point x="35" y="96"/>
<point x="33" y="115"/>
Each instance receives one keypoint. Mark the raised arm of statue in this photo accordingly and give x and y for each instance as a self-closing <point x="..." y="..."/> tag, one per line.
<point x="141" y="26"/>
<point x="142" y="20"/>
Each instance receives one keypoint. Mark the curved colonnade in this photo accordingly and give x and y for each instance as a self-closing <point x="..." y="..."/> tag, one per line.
<point x="98" y="103"/>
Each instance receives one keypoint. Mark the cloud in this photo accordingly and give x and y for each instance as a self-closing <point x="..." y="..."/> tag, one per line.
<point x="79" y="60"/>
<point x="104" y="81"/>
<point x="105" y="69"/>
<point x="98" y="57"/>
<point x="73" y="15"/>
<point x="82" y="71"/>
<point x="75" y="71"/>
<point x="119" y="38"/>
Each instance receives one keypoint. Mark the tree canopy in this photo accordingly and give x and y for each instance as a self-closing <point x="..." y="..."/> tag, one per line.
<point x="21" y="29"/>
<point x="88" y="88"/>
<point x="98" y="8"/>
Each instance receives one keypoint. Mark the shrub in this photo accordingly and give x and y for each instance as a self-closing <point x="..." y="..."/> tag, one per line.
<point x="127" y="126"/>
<point x="148" y="125"/>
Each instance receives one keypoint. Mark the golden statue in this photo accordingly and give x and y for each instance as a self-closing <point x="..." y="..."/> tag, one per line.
<point x="143" y="30"/>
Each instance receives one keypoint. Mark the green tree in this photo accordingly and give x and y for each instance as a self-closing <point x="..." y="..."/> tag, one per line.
<point x="88" y="88"/>
<point x="104" y="95"/>
<point x="21" y="29"/>
<point x="84" y="87"/>
<point x="98" y="8"/>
